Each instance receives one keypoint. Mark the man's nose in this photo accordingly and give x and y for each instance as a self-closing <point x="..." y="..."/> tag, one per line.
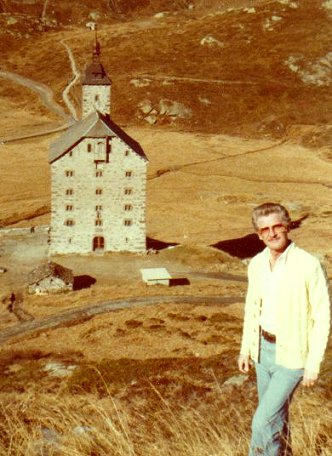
<point x="272" y="231"/>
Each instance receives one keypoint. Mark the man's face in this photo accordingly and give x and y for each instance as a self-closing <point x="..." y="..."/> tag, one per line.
<point x="273" y="232"/>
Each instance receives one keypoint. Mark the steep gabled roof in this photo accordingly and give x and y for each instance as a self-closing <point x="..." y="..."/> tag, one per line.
<point x="50" y="269"/>
<point x="95" y="125"/>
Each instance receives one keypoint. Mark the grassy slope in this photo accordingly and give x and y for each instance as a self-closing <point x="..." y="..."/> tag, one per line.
<point x="178" y="405"/>
<point x="268" y="97"/>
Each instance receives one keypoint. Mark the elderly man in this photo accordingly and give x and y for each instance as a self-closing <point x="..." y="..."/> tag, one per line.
<point x="286" y="326"/>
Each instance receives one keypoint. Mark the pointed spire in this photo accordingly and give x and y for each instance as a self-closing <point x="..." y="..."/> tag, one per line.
<point x="95" y="73"/>
<point x="96" y="50"/>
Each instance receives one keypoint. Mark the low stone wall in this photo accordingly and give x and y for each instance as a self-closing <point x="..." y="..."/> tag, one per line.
<point x="36" y="229"/>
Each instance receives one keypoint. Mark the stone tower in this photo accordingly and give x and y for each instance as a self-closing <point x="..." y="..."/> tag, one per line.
<point x="96" y="86"/>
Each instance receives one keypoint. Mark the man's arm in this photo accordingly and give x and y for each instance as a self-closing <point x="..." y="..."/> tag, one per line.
<point x="243" y="359"/>
<point x="318" y="292"/>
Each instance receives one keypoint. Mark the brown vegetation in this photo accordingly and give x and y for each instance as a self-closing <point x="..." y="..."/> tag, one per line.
<point x="162" y="379"/>
<point x="250" y="62"/>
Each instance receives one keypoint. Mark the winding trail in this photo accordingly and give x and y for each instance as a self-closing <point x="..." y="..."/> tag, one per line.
<point x="84" y="313"/>
<point x="72" y="83"/>
<point x="181" y="168"/>
<point x="45" y="93"/>
<point x="240" y="82"/>
<point x="203" y="162"/>
<point x="47" y="97"/>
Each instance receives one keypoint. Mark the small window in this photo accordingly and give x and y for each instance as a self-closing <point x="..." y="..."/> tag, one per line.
<point x="128" y="191"/>
<point x="99" y="174"/>
<point x="69" y="241"/>
<point x="98" y="222"/>
<point x="99" y="191"/>
<point x="70" y="153"/>
<point x="127" y="222"/>
<point x="69" y="207"/>
<point x="69" y="173"/>
<point x="99" y="207"/>
<point x="96" y="97"/>
<point x="69" y="191"/>
<point x="128" y="207"/>
<point x="89" y="148"/>
<point x="126" y="153"/>
<point x="129" y="173"/>
<point x="69" y="222"/>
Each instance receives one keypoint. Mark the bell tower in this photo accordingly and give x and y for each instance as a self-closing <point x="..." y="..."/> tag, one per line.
<point x="96" y="86"/>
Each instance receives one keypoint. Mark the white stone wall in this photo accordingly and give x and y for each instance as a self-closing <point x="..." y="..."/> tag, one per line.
<point x="96" y="98"/>
<point x="78" y="172"/>
<point x="50" y="285"/>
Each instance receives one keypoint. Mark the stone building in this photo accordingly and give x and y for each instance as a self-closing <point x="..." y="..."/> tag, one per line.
<point x="50" y="277"/>
<point x="98" y="177"/>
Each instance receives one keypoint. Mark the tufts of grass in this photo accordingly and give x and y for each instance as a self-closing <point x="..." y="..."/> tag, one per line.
<point x="169" y="374"/>
<point x="23" y="370"/>
<point x="216" y="423"/>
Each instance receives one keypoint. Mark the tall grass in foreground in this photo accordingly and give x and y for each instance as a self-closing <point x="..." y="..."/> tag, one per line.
<point x="37" y="424"/>
<point x="91" y="426"/>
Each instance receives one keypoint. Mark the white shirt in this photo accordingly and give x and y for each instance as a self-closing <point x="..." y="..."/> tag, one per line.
<point x="270" y="287"/>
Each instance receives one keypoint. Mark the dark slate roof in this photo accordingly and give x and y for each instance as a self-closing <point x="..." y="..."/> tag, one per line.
<point x="95" y="125"/>
<point x="95" y="74"/>
<point x="50" y="269"/>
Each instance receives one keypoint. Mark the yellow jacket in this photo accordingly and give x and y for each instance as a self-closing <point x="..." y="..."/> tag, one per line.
<point x="303" y="318"/>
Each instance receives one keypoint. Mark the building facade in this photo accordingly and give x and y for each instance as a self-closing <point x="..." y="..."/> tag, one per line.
<point x="98" y="175"/>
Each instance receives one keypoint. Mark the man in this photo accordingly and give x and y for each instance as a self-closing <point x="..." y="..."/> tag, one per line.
<point x="286" y="326"/>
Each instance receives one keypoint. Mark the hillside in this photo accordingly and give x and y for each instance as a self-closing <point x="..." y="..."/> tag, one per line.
<point x="231" y="102"/>
<point x="252" y="70"/>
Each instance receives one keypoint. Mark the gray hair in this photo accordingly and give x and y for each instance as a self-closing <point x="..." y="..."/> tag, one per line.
<point x="270" y="208"/>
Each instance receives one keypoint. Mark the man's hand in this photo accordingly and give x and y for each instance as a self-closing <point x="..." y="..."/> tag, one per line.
<point x="243" y="363"/>
<point x="309" y="378"/>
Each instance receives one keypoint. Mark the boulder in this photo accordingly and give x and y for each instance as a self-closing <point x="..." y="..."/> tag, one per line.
<point x="166" y="109"/>
<point x="209" y="40"/>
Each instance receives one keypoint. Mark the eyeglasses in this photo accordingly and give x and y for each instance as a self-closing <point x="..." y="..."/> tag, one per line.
<point x="277" y="228"/>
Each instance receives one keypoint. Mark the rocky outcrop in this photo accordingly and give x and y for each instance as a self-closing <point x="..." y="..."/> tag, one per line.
<point x="165" y="110"/>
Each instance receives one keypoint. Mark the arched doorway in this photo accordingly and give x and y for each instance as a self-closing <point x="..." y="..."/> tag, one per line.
<point x="98" y="243"/>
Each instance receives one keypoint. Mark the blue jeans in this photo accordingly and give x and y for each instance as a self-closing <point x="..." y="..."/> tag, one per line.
<point x="276" y="385"/>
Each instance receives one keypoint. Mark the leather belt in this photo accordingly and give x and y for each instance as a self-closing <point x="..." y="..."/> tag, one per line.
<point x="268" y="336"/>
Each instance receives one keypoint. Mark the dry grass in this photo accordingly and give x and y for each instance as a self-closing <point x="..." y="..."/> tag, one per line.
<point x="266" y="96"/>
<point x="150" y="380"/>
<point x="88" y="426"/>
<point x="145" y="406"/>
<point x="144" y="422"/>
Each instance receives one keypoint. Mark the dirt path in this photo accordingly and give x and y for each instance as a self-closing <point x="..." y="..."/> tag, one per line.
<point x="203" y="162"/>
<point x="73" y="316"/>
<point x="72" y="83"/>
<point x="240" y="82"/>
<point x="47" y="97"/>
<point x="45" y="93"/>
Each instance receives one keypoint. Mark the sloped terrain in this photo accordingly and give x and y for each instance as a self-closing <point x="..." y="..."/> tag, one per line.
<point x="231" y="102"/>
<point x="254" y="70"/>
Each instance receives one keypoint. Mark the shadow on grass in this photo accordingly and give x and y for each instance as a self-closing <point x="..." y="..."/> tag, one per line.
<point x="155" y="244"/>
<point x="179" y="282"/>
<point x="249" y="245"/>
<point x="83" y="281"/>
<point x="244" y="247"/>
